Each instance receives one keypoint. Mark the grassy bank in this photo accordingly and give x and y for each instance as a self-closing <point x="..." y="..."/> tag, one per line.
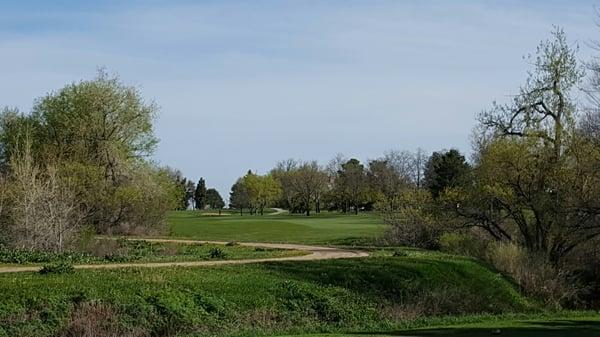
<point x="334" y="228"/>
<point x="369" y="294"/>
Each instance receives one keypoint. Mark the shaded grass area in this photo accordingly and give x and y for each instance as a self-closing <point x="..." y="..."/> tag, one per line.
<point x="334" y="228"/>
<point x="369" y="294"/>
<point x="123" y="250"/>
<point x="567" y="327"/>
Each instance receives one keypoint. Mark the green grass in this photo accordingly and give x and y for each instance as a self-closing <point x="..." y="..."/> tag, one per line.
<point x="333" y="228"/>
<point x="369" y="294"/>
<point x="110" y="251"/>
<point x="549" y="327"/>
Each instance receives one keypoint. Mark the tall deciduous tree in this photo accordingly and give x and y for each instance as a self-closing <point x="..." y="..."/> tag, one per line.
<point x="263" y="190"/>
<point x="308" y="182"/>
<point x="352" y="182"/>
<point x="537" y="181"/>
<point x="239" y="197"/>
<point x="385" y="182"/>
<point x="283" y="173"/>
<point x="98" y="133"/>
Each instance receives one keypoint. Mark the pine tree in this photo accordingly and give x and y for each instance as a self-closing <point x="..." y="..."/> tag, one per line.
<point x="200" y="194"/>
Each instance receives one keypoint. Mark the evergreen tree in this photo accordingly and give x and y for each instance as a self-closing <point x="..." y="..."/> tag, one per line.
<point x="200" y="194"/>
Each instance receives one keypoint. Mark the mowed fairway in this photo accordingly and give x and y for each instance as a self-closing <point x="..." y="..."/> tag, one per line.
<point x="332" y="228"/>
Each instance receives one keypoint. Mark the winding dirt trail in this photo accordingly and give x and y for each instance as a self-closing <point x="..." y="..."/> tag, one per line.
<point x="315" y="253"/>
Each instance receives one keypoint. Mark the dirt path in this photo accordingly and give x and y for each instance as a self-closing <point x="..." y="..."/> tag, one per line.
<point x="315" y="253"/>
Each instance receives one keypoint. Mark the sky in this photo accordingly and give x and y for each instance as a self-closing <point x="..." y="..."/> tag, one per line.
<point x="244" y="84"/>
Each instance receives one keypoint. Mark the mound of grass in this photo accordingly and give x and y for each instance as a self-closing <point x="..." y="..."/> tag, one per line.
<point x="321" y="228"/>
<point x="370" y="294"/>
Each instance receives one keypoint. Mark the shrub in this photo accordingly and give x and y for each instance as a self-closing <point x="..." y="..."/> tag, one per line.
<point x="534" y="274"/>
<point x="463" y="244"/>
<point x="399" y="253"/>
<point x="57" y="268"/>
<point x="216" y="253"/>
<point x="20" y="256"/>
<point x="412" y="221"/>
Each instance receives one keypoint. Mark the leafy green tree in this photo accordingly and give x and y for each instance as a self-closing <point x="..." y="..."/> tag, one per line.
<point x="181" y="184"/>
<point x="537" y="181"/>
<point x="200" y="194"/>
<point x="98" y="134"/>
<point x="352" y="184"/>
<point x="214" y="199"/>
<point x="100" y="122"/>
<point x="262" y="190"/>
<point x="444" y="170"/>
<point x="239" y="197"/>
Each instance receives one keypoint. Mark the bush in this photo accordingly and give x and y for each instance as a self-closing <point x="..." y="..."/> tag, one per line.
<point x="534" y="274"/>
<point x="57" y="268"/>
<point x="463" y="244"/>
<point x="20" y="256"/>
<point x="411" y="220"/>
<point x="216" y="253"/>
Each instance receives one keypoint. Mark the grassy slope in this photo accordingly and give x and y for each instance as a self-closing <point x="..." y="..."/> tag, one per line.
<point x="321" y="228"/>
<point x="297" y="297"/>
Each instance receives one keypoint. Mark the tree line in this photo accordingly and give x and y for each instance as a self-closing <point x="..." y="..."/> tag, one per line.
<point x="344" y="185"/>
<point x="528" y="200"/>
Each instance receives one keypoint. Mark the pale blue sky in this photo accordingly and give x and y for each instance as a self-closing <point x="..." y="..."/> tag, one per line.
<point x="243" y="84"/>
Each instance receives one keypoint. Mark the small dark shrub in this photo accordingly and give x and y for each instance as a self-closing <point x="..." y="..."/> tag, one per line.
<point x="216" y="253"/>
<point x="232" y="243"/>
<point x="57" y="268"/>
<point x="400" y="253"/>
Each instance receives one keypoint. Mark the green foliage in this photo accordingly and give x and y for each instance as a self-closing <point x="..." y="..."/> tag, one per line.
<point x="123" y="250"/>
<point x="350" y="186"/>
<point x="57" y="268"/>
<point x="18" y="256"/>
<point x="216" y="253"/>
<point x="412" y="220"/>
<point x="463" y="244"/>
<point x="239" y="197"/>
<point x="91" y="137"/>
<point x="263" y="191"/>
<point x="200" y="194"/>
<point x="445" y="170"/>
<point x="213" y="199"/>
